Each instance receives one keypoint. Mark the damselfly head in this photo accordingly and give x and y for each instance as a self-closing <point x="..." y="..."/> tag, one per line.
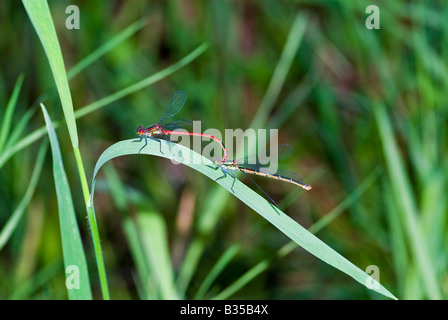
<point x="139" y="130"/>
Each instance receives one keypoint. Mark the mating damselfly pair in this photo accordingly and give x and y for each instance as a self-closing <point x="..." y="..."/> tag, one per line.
<point x="247" y="165"/>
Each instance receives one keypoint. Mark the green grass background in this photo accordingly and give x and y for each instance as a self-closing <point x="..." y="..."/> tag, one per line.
<point x="365" y="111"/>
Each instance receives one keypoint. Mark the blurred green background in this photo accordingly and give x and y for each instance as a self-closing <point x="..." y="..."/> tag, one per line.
<point x="365" y="110"/>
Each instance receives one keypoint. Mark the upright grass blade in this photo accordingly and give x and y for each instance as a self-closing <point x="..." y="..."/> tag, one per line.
<point x="295" y="99"/>
<point x="15" y="217"/>
<point x="74" y="257"/>
<point x="9" y="112"/>
<point x="40" y="16"/>
<point x="154" y="240"/>
<point x="134" y="237"/>
<point x="220" y="265"/>
<point x="98" y="252"/>
<point x="19" y="128"/>
<point x="281" y="71"/>
<point x="401" y="188"/>
<point x="93" y="227"/>
<point x="39" y="133"/>
<point x="276" y="217"/>
<point x="138" y="255"/>
<point x="243" y="280"/>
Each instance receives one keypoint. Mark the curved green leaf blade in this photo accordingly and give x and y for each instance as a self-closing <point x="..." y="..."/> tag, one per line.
<point x="73" y="252"/>
<point x="279" y="219"/>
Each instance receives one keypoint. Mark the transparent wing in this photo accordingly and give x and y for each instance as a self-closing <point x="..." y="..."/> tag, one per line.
<point x="289" y="175"/>
<point x="258" y="160"/>
<point x="176" y="103"/>
<point x="281" y="173"/>
<point x="178" y="124"/>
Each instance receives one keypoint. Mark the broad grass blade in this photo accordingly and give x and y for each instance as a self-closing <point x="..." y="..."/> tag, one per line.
<point x="277" y="218"/>
<point x="74" y="258"/>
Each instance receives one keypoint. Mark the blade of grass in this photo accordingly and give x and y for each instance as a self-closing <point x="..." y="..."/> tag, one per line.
<point x="281" y="71"/>
<point x="72" y="248"/>
<point x="243" y="280"/>
<point x="399" y="248"/>
<point x="154" y="239"/>
<point x="15" y="217"/>
<point x="401" y="188"/>
<point x="279" y="219"/>
<point x="19" y="128"/>
<point x="132" y="233"/>
<point x="138" y="254"/>
<point x="40" y="16"/>
<point x="94" y="232"/>
<point x="294" y="99"/>
<point x="223" y="261"/>
<point x="9" y="112"/>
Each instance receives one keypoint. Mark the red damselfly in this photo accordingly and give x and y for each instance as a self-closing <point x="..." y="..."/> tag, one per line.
<point x="164" y="127"/>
